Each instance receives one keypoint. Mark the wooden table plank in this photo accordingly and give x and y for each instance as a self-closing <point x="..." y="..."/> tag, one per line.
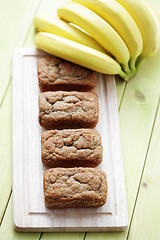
<point x="7" y="231"/>
<point x="5" y="152"/>
<point x="63" y="236"/>
<point x="145" y="224"/>
<point x="15" y="20"/>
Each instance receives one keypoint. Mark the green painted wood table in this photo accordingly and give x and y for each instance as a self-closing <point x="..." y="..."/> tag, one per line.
<point x="139" y="113"/>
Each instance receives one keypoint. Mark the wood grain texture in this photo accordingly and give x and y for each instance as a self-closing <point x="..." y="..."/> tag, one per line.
<point x="7" y="230"/>
<point x="139" y="103"/>
<point x="145" y="223"/>
<point x="63" y="236"/>
<point x="5" y="152"/>
<point x="27" y="182"/>
<point x="15" y="20"/>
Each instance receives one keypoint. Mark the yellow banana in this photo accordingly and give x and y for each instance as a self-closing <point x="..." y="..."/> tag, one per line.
<point x="63" y="29"/>
<point x="98" y="28"/>
<point x="77" y="53"/>
<point x="121" y="21"/>
<point x="141" y="13"/>
<point x="156" y="18"/>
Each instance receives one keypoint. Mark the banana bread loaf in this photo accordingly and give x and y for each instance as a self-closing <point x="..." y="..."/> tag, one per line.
<point x="71" y="148"/>
<point x="75" y="187"/>
<point x="60" y="110"/>
<point x="57" y="74"/>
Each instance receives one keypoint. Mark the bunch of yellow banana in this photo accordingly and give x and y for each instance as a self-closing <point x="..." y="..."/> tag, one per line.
<point x="115" y="36"/>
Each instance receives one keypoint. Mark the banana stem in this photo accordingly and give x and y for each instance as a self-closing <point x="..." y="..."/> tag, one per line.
<point x="139" y="62"/>
<point x="126" y="68"/>
<point x="129" y="76"/>
<point x="132" y="64"/>
<point x="122" y="74"/>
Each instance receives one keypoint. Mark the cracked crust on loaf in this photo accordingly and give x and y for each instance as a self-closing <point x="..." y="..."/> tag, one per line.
<point x="71" y="148"/>
<point x="61" y="109"/>
<point x="57" y="74"/>
<point x="75" y="187"/>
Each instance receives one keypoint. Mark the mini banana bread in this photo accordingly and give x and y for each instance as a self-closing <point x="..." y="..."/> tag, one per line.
<point x="60" y="110"/>
<point x="74" y="187"/>
<point x="57" y="74"/>
<point x="71" y="148"/>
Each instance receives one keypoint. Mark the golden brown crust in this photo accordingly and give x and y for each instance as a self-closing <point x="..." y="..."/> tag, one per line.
<point x="71" y="148"/>
<point x="75" y="187"/>
<point x="57" y="74"/>
<point x="60" y="110"/>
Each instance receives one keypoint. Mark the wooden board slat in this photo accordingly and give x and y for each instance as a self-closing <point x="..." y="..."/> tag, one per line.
<point x="63" y="236"/>
<point x="5" y="152"/>
<point x="27" y="179"/>
<point x="15" y="20"/>
<point x="7" y="230"/>
<point x="145" y="224"/>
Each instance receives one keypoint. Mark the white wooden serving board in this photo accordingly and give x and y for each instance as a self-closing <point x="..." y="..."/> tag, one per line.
<point x="30" y="213"/>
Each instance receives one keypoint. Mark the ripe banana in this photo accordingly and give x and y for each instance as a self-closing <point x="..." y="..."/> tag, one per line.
<point x="78" y="53"/>
<point x="141" y="13"/>
<point x="156" y="18"/>
<point x="63" y="29"/>
<point x="98" y="28"/>
<point x="121" y="21"/>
